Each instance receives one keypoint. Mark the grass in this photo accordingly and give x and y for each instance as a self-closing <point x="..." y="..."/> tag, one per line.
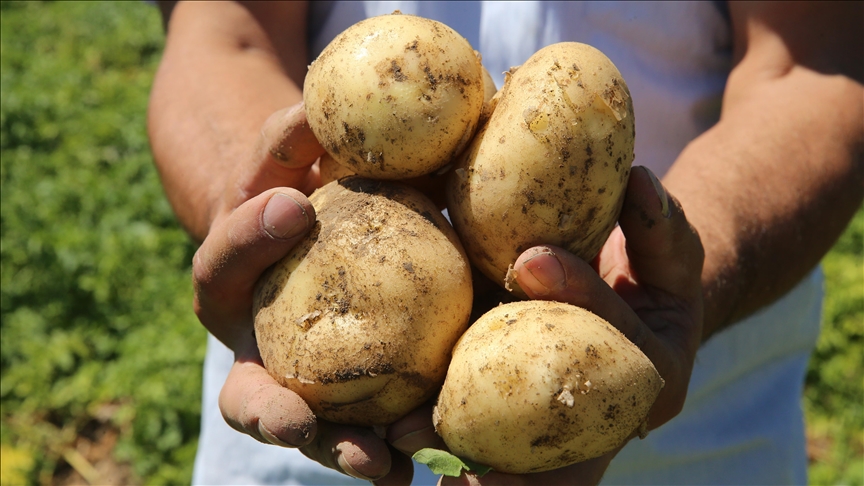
<point x="100" y="352"/>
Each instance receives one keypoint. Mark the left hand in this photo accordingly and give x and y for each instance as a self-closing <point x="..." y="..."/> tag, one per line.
<point x="256" y="224"/>
<point x="646" y="281"/>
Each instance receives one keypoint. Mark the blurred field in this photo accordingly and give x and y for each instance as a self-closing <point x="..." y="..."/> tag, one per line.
<point x="101" y="354"/>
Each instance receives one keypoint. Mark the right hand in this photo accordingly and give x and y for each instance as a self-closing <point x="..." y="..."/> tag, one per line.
<point x="645" y="282"/>
<point x="258" y="223"/>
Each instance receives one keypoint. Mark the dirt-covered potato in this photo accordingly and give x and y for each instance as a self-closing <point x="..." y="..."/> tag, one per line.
<point x="538" y="385"/>
<point x="552" y="163"/>
<point x="330" y="170"/>
<point x="361" y="317"/>
<point x="489" y="88"/>
<point x="431" y="185"/>
<point x="395" y="96"/>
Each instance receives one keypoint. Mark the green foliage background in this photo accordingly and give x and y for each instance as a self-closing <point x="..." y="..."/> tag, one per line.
<point x="95" y="297"/>
<point x="97" y="327"/>
<point x="834" y="393"/>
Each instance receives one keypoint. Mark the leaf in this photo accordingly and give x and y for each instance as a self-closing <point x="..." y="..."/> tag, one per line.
<point x="478" y="469"/>
<point x="442" y="462"/>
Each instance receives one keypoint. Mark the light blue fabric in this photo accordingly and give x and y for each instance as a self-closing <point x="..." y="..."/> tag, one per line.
<point x="742" y="422"/>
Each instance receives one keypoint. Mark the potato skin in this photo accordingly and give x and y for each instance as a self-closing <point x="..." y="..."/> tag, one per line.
<point x="431" y="185"/>
<point x="539" y="385"/>
<point x="361" y="317"/>
<point x="552" y="163"/>
<point x="395" y="96"/>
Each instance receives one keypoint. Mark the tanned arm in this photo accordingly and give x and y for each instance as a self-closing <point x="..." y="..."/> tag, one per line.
<point x="772" y="186"/>
<point x="201" y="129"/>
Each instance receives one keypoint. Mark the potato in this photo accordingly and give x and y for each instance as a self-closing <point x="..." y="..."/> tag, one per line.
<point x="395" y="96"/>
<point x="330" y="170"/>
<point x="360" y="319"/>
<point x="538" y="385"/>
<point x="552" y="163"/>
<point x="431" y="185"/>
<point x="489" y="90"/>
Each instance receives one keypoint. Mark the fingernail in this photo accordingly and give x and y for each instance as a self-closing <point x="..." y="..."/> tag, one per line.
<point x="544" y="272"/>
<point x="295" y="109"/>
<point x="269" y="437"/>
<point x="665" y="210"/>
<point x="463" y="480"/>
<point x="348" y="469"/>
<point x="284" y="217"/>
<point x="414" y="441"/>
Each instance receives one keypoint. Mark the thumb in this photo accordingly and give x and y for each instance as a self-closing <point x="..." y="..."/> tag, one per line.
<point x="237" y="251"/>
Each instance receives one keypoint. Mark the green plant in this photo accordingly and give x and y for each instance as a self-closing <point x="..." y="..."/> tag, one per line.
<point x="97" y="328"/>
<point x="834" y="391"/>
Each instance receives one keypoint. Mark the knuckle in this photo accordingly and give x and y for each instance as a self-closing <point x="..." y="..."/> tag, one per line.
<point x="206" y="282"/>
<point x="202" y="273"/>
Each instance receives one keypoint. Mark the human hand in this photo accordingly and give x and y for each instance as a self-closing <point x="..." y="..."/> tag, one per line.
<point x="645" y="282"/>
<point x="257" y="225"/>
<point x="284" y="155"/>
<point x="653" y="264"/>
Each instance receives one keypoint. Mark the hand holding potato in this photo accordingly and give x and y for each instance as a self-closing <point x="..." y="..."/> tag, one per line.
<point x="653" y="262"/>
<point x="251" y="395"/>
<point x="249" y="235"/>
<point x="646" y="282"/>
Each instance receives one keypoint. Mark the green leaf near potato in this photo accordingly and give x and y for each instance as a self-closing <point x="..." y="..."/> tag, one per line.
<point x="444" y="463"/>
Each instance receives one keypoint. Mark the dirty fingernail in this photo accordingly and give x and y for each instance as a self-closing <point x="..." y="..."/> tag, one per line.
<point x="665" y="210"/>
<point x="284" y="217"/>
<point x="544" y="273"/>
<point x="269" y="437"/>
<point x="463" y="480"/>
<point x="348" y="469"/>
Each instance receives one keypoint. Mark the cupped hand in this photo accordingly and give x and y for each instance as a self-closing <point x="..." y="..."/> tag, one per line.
<point x="261" y="218"/>
<point x="646" y="281"/>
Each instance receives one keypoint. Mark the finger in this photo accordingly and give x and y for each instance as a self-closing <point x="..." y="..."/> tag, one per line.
<point x="252" y="402"/>
<point x="284" y="153"/>
<point x="354" y="451"/>
<point x="491" y="478"/>
<point x="664" y="250"/>
<point x="415" y="431"/>
<point x="587" y="472"/>
<point x="664" y="253"/>
<point x="238" y="250"/>
<point x="552" y="273"/>
<point x="401" y="470"/>
<point x="288" y="141"/>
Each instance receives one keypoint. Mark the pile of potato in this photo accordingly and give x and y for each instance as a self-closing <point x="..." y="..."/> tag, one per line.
<point x="363" y="317"/>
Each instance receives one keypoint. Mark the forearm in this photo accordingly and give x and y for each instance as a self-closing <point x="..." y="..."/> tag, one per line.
<point x="221" y="76"/>
<point x="771" y="186"/>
